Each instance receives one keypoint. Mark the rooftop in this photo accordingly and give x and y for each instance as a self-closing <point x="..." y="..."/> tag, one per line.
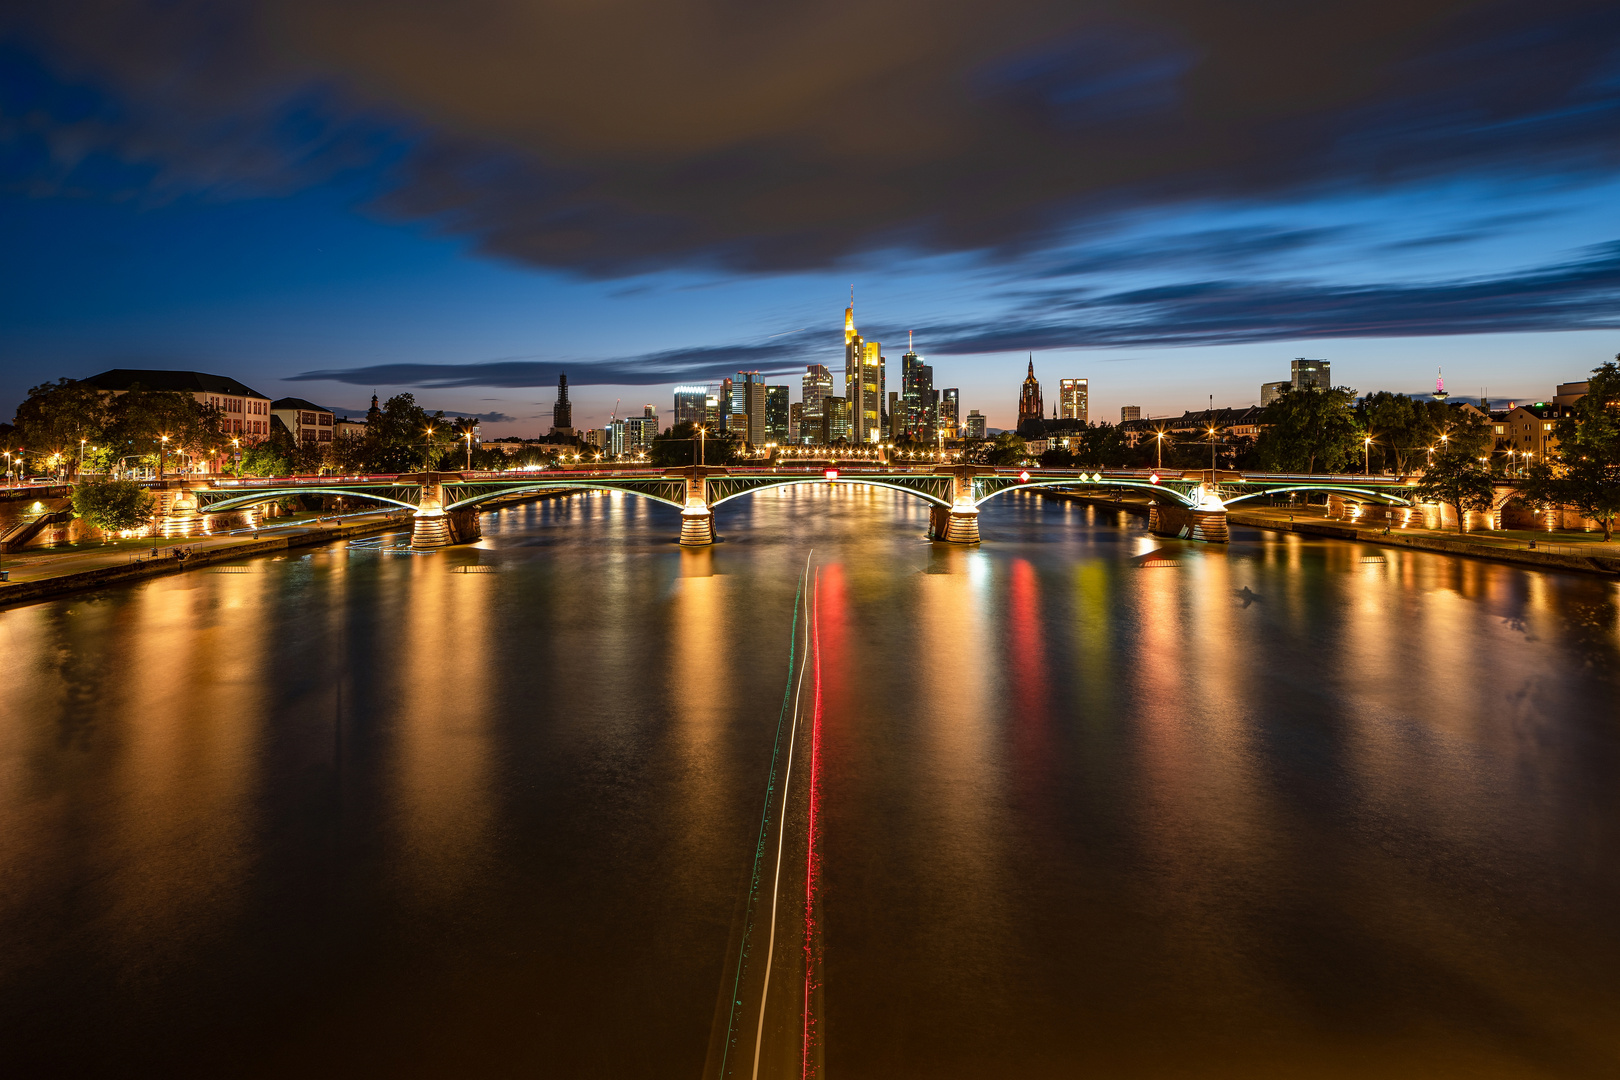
<point x="188" y="382"/>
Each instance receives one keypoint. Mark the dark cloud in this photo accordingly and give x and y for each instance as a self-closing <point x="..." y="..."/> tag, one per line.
<point x="1582" y="294"/>
<point x="630" y="135"/>
<point x="674" y="365"/>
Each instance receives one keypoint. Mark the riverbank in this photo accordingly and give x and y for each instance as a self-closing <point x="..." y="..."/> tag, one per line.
<point x="44" y="576"/>
<point x="1579" y="552"/>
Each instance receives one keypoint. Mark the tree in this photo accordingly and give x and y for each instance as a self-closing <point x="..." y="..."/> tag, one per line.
<point x="1458" y="479"/>
<point x="59" y="418"/>
<point x="1584" y="466"/>
<point x="1309" y="428"/>
<point x="1008" y="449"/>
<point x="113" y="505"/>
<point x="404" y="437"/>
<point x="139" y="420"/>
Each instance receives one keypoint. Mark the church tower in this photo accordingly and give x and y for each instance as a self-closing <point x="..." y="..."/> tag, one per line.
<point x="1029" y="396"/>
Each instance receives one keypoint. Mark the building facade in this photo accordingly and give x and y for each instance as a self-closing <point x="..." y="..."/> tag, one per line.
<point x="777" y="415"/>
<point x="836" y="422"/>
<point x="863" y="382"/>
<point x="815" y="385"/>
<point x="305" y="421"/>
<point x="1029" y="396"/>
<point x="1074" y="399"/>
<point x="1306" y="374"/>
<point x="562" y="413"/>
<point x="244" y="412"/>
<point x="1130" y="412"/>
<point x="748" y="407"/>
<point x="975" y="425"/>
<point x="691" y="405"/>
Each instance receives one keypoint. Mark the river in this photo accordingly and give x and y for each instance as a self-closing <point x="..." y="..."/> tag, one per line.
<point x="1080" y="802"/>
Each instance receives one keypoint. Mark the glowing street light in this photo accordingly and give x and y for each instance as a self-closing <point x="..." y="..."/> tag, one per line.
<point x="1366" y="455"/>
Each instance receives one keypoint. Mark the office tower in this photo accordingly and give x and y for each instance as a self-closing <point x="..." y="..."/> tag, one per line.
<point x="817" y="383"/>
<point x="562" y="413"/>
<point x="1312" y="374"/>
<point x="1029" y="396"/>
<point x="691" y="404"/>
<point x="640" y="431"/>
<point x="748" y="403"/>
<point x="613" y="437"/>
<point x="1271" y="391"/>
<point x="863" y="381"/>
<point x="835" y="419"/>
<point x="975" y="425"/>
<point x="1073" y="399"/>
<point x="796" y="422"/>
<point x="950" y="401"/>
<point x="723" y="407"/>
<point x="777" y="413"/>
<point x="1130" y="412"/>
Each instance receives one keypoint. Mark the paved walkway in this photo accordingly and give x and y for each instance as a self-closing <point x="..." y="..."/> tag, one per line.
<point x="92" y="563"/>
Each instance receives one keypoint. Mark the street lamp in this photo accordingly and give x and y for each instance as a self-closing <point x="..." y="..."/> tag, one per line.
<point x="237" y="453"/>
<point x="1366" y="455"/>
<point x="163" y="451"/>
<point x="1160" y="438"/>
<point x="1212" y="447"/>
<point x="468" y="435"/>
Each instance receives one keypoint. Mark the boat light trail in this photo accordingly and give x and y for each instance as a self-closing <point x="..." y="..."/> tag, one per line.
<point x="781" y="835"/>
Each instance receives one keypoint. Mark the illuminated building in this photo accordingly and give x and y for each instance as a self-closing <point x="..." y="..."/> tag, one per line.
<point x="835" y="420"/>
<point x="1311" y="374"/>
<point x="640" y="431"/>
<point x="975" y="425"/>
<point x="305" y="421"/>
<point x="1073" y="399"/>
<point x="777" y="415"/>
<point x="691" y="404"/>
<point x="817" y="384"/>
<point x="1271" y="391"/>
<point x="1029" y="396"/>
<point x="949" y="412"/>
<point x="863" y="381"/>
<point x="796" y="421"/>
<point x="1130" y="412"/>
<point x="748" y="407"/>
<point x="243" y="411"/>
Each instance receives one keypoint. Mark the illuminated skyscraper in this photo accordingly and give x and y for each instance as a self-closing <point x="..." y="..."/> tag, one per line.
<point x="748" y="403"/>
<point x="817" y="384"/>
<point x="1029" y="396"/>
<point x="1311" y="374"/>
<point x="776" y="415"/>
<point x="975" y="425"/>
<point x="950" y="411"/>
<point x="690" y="404"/>
<point x="863" y="381"/>
<point x="1073" y="399"/>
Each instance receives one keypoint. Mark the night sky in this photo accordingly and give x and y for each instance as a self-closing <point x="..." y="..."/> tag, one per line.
<point x="1169" y="197"/>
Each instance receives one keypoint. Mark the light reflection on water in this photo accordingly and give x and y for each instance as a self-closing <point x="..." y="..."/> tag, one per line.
<point x="1272" y="809"/>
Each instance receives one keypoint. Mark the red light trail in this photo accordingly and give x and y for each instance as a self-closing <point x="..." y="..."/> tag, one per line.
<point x="812" y="977"/>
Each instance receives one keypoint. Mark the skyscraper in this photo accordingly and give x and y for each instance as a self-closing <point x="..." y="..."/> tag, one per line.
<point x="562" y="413"/>
<point x="1073" y="399"/>
<point x="776" y="415"/>
<point x="835" y="419"/>
<point x="640" y="431"/>
<point x="1029" y="396"/>
<point x="1130" y="412"/>
<point x="975" y="425"/>
<point x="690" y="402"/>
<point x="950" y="412"/>
<point x="863" y="381"/>
<point x="748" y="402"/>
<point x="817" y="384"/>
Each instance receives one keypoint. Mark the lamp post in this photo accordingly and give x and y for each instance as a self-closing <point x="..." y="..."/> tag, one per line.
<point x="1212" y="447"/>
<point x="236" y="452"/>
<point x="1160" y="438"/>
<point x="81" y="455"/>
<point x="163" y="459"/>
<point x="468" y="434"/>
<point x="1366" y="455"/>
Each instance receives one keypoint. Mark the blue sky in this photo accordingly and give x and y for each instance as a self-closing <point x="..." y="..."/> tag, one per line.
<point x="321" y="218"/>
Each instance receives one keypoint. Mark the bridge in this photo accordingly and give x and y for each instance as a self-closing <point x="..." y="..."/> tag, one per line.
<point x="445" y="506"/>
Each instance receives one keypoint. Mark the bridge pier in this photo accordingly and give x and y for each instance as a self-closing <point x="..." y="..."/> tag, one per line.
<point x="430" y="525"/>
<point x="958" y="523"/>
<point x="697" y="520"/>
<point x="1183" y="522"/>
<point x="183" y="518"/>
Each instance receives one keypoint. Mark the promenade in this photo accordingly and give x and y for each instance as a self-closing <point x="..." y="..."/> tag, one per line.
<point x="39" y="573"/>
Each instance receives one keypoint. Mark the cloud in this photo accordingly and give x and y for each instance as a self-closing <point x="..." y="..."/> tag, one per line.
<point x="698" y="364"/>
<point x="1580" y="294"/>
<point x="651" y="135"/>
